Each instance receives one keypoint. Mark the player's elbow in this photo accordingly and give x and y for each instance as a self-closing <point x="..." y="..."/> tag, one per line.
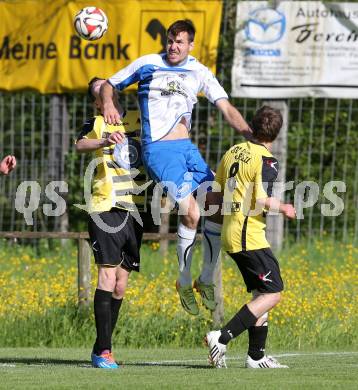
<point x="79" y="147"/>
<point x="261" y="202"/>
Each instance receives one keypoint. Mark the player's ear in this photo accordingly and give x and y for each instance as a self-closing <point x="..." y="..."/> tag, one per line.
<point x="191" y="46"/>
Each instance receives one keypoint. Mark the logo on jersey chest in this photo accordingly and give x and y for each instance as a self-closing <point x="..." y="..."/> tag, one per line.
<point x="127" y="155"/>
<point x="173" y="87"/>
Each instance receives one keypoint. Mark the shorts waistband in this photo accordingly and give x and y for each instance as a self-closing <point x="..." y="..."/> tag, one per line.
<point x="169" y="142"/>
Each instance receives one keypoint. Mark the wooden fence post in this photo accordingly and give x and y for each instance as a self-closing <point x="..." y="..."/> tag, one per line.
<point x="218" y="314"/>
<point x="84" y="273"/>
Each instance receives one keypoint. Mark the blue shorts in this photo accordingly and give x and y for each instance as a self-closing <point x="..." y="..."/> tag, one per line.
<point x="177" y="165"/>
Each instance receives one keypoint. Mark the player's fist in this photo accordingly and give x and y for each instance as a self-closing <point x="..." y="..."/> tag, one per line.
<point x="111" y="114"/>
<point x="116" y="138"/>
<point x="289" y="211"/>
<point x="7" y="165"/>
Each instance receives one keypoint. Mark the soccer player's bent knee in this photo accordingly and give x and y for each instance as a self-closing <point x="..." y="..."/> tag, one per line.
<point x="194" y="215"/>
<point x="272" y="299"/>
<point x="275" y="298"/>
<point x="262" y="320"/>
<point x="191" y="219"/>
<point x="120" y="289"/>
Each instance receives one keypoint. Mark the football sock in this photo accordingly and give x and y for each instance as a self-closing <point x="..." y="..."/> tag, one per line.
<point x="185" y="245"/>
<point x="212" y="245"/>
<point x="102" y="314"/>
<point x="257" y="341"/>
<point x="241" y="321"/>
<point x="115" y="306"/>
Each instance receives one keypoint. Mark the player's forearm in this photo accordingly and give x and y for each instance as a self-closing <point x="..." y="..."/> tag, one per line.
<point x="272" y="204"/>
<point x="90" y="145"/>
<point x="236" y="121"/>
<point x="106" y="94"/>
<point x="234" y="118"/>
<point x="275" y="205"/>
<point x="110" y="111"/>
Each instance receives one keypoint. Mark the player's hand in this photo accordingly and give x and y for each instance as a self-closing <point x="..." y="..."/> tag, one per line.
<point x="7" y="165"/>
<point x="289" y="211"/>
<point x="116" y="138"/>
<point x="111" y="114"/>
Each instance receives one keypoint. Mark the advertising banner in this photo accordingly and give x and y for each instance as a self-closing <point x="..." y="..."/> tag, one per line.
<point x="40" y="50"/>
<point x="297" y="49"/>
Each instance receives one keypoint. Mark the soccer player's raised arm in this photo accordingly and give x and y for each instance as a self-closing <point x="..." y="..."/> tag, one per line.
<point x="110" y="112"/>
<point x="234" y="118"/>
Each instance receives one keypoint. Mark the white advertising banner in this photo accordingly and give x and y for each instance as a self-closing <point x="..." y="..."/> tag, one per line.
<point x="297" y="49"/>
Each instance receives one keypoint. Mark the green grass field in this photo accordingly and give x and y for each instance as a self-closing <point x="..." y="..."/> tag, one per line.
<point x="309" y="330"/>
<point x="34" y="368"/>
<point x="38" y="306"/>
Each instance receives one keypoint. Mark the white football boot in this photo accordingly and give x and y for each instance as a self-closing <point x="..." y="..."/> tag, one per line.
<point x="265" y="362"/>
<point x="217" y="350"/>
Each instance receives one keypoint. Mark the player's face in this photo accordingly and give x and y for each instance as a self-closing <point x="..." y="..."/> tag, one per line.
<point x="178" y="48"/>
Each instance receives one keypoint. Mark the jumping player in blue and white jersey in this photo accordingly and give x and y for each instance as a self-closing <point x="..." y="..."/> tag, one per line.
<point x="168" y="85"/>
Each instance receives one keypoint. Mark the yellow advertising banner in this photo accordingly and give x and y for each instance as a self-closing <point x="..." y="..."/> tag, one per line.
<point x="40" y="50"/>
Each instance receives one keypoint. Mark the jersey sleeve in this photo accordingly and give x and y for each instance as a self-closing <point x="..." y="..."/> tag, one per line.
<point x="211" y="88"/>
<point x="88" y="130"/>
<point x="266" y="174"/>
<point x="128" y="75"/>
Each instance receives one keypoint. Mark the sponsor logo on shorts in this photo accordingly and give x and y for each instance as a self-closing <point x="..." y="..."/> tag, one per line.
<point x="183" y="190"/>
<point x="95" y="249"/>
<point x="265" y="278"/>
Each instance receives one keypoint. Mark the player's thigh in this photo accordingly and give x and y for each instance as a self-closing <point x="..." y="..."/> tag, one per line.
<point x="167" y="166"/>
<point x="122" y="276"/>
<point x="108" y="247"/>
<point x="131" y="249"/>
<point x="164" y="162"/>
<point x="260" y="270"/>
<point x="198" y="167"/>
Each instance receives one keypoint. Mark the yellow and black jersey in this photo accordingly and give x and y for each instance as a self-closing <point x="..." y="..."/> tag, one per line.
<point x="246" y="173"/>
<point x="120" y="174"/>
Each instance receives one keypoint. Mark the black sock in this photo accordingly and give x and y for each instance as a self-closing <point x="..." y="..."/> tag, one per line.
<point x="102" y="313"/>
<point x="115" y="306"/>
<point x="257" y="341"/>
<point x="241" y="321"/>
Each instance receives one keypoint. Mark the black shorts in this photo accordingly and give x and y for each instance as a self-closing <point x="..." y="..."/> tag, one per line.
<point x="120" y="248"/>
<point x="260" y="270"/>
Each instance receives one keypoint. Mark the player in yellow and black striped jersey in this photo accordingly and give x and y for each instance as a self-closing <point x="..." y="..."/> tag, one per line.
<point x="121" y="174"/>
<point x="246" y="174"/>
<point x="115" y="233"/>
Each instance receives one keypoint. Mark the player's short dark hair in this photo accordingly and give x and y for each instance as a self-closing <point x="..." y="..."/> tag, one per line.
<point x="182" y="26"/>
<point x="89" y="89"/>
<point x="266" y="124"/>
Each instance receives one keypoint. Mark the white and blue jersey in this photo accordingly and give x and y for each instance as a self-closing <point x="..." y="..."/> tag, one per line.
<point x="167" y="93"/>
